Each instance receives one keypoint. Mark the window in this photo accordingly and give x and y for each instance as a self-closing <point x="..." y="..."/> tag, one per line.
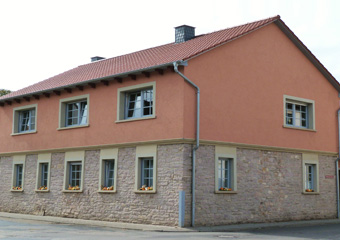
<point x="310" y="173"/>
<point x="139" y="104"/>
<point x="224" y="173"/>
<point x="75" y="176"/>
<point x="18" y="173"/>
<point x="74" y="112"/>
<point x="27" y="120"/>
<point x="136" y="102"/>
<point x="310" y="177"/>
<point x="146" y="169"/>
<point x="146" y="173"/>
<point x="296" y="115"/>
<point x="108" y="170"/>
<point x="24" y="119"/>
<point x="225" y="169"/>
<point x="43" y="172"/>
<point x="299" y="113"/>
<point x="74" y="171"/>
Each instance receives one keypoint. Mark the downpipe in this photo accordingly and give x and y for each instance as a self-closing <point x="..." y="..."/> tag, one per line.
<point x="337" y="170"/>
<point x="182" y="63"/>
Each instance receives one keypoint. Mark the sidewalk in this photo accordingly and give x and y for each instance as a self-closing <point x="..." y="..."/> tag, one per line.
<point x="146" y="227"/>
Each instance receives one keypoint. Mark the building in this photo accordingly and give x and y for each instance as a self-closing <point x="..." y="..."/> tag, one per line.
<point x="115" y="139"/>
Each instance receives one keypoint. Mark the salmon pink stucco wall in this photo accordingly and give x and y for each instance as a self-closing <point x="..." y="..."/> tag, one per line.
<point x="242" y="87"/>
<point x="103" y="128"/>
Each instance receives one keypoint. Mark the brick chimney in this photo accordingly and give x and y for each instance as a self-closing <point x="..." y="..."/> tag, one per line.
<point x="184" y="33"/>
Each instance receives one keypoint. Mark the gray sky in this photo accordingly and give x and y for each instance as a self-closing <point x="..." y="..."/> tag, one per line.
<point x="40" y="39"/>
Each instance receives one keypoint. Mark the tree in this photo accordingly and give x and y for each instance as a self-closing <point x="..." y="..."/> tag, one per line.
<point x="4" y="92"/>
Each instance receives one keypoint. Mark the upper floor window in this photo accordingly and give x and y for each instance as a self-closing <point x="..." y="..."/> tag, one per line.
<point x="24" y="119"/>
<point x="139" y="104"/>
<point x="299" y="113"/>
<point x="136" y="102"/>
<point x="296" y="114"/>
<point x="74" y="112"/>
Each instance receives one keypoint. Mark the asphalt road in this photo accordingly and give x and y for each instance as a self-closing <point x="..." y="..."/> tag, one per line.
<point x="28" y="229"/>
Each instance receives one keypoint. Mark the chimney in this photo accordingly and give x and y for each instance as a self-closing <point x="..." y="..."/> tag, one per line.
<point x="184" y="33"/>
<point x="96" y="58"/>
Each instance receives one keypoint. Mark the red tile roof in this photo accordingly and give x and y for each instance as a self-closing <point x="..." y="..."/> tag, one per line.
<point x="144" y="59"/>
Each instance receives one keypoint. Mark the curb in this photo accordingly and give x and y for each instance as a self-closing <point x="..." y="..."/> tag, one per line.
<point x="256" y="226"/>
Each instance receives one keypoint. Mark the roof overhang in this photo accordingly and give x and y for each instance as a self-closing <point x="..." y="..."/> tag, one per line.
<point x="114" y="77"/>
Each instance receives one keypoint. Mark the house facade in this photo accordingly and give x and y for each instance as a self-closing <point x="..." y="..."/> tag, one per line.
<point x="115" y="139"/>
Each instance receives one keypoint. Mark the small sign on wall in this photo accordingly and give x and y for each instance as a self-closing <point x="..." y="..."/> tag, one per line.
<point x="329" y="176"/>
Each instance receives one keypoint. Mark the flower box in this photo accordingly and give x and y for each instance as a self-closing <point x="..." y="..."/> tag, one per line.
<point x="107" y="188"/>
<point x="225" y="189"/>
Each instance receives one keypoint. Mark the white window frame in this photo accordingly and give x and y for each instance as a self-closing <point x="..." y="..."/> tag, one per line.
<point x="110" y="154"/>
<point x="17" y="161"/>
<point x="63" y="111"/>
<point x="310" y="160"/>
<point x="310" y="112"/>
<point x="17" y="116"/>
<point x="44" y="158"/>
<point x="73" y="158"/>
<point x="142" y="153"/>
<point x="122" y="101"/>
<point x="223" y="153"/>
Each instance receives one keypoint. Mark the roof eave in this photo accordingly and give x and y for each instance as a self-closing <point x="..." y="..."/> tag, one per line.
<point x="95" y="80"/>
<point x="297" y="42"/>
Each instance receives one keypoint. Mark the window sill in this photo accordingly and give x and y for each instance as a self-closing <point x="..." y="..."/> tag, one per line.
<point x="12" y="190"/>
<point x="72" y="191"/>
<point x="144" y="191"/>
<point x="135" y="119"/>
<point x="106" y="191"/>
<point x="42" y="191"/>
<point x="311" y="193"/>
<point x="72" y="127"/>
<point x="225" y="192"/>
<point x="23" y="133"/>
<point x="297" y="128"/>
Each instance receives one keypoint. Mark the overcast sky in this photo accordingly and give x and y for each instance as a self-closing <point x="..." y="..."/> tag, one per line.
<point x="40" y="39"/>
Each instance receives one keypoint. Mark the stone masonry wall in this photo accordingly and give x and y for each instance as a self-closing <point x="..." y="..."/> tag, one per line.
<point x="173" y="175"/>
<point x="269" y="189"/>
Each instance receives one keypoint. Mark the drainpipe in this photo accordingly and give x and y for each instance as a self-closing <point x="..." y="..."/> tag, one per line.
<point x="197" y="136"/>
<point x="337" y="169"/>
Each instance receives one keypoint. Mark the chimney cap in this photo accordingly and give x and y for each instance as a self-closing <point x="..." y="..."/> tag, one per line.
<point x="184" y="25"/>
<point x="96" y="58"/>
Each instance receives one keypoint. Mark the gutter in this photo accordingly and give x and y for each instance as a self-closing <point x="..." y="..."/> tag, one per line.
<point x="337" y="170"/>
<point x="182" y="63"/>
